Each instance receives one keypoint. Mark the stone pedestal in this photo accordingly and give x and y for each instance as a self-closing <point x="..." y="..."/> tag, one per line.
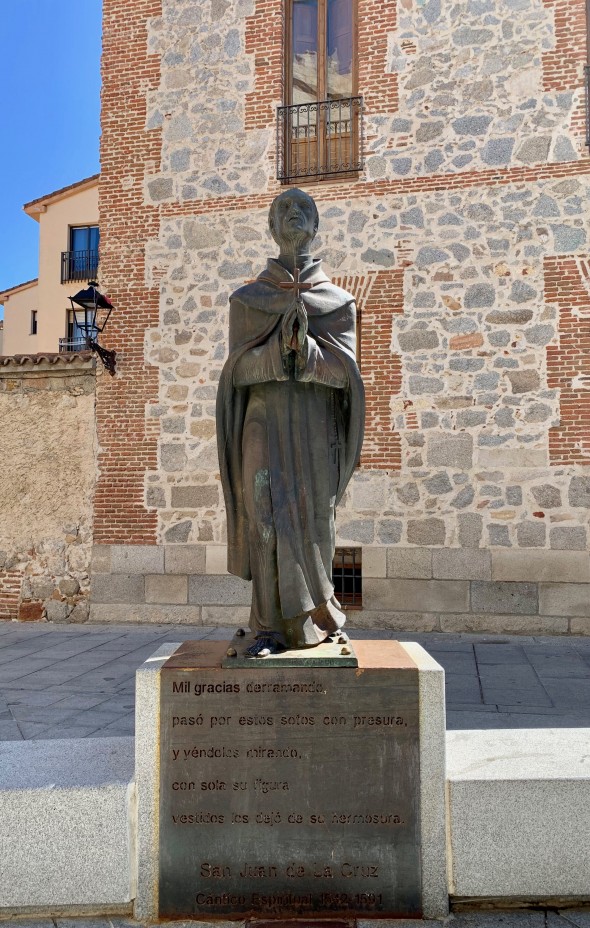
<point x="291" y="792"/>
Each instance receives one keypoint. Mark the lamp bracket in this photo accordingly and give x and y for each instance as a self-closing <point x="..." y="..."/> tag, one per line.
<point x="106" y="356"/>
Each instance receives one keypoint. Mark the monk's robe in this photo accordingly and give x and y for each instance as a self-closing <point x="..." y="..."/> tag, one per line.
<point x="290" y="431"/>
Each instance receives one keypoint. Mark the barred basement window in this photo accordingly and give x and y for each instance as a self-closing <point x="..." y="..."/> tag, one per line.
<point x="347" y="576"/>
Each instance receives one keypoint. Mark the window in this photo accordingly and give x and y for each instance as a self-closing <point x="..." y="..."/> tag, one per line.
<point x="75" y="339"/>
<point x="319" y="128"/>
<point x="347" y="577"/>
<point x="80" y="262"/>
<point x="84" y="238"/>
<point x="33" y="322"/>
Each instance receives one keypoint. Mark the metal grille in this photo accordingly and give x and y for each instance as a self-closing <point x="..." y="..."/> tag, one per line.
<point x="78" y="265"/>
<point x="320" y="139"/>
<point x="347" y="577"/>
<point x="72" y="344"/>
<point x="587" y="86"/>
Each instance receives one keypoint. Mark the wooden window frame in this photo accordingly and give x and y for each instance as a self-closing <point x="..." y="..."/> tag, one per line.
<point x="322" y="51"/>
<point x="328" y="154"/>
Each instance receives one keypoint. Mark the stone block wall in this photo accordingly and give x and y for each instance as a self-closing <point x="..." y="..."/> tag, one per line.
<point x="404" y="588"/>
<point x="47" y="476"/>
<point x="465" y="241"/>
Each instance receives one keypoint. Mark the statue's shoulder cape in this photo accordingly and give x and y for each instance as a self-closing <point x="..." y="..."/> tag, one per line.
<point x="255" y="314"/>
<point x="266" y="294"/>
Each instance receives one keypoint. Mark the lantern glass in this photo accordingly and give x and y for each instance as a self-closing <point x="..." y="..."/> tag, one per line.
<point x="84" y="320"/>
<point x="87" y="303"/>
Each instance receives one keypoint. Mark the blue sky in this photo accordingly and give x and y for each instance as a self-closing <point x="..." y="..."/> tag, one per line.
<point x="49" y="115"/>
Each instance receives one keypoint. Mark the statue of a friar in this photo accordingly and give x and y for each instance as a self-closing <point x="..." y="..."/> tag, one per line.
<point x="290" y="413"/>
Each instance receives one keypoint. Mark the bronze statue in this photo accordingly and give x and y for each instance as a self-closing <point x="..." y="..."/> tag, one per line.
<point x="290" y="411"/>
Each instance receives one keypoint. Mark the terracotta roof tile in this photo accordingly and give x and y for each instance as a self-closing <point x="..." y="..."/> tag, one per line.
<point x="25" y="283"/>
<point x="66" y="357"/>
<point x="55" y="193"/>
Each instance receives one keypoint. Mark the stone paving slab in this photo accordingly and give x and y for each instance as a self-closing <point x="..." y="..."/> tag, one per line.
<point x="540" y="918"/>
<point x="67" y="681"/>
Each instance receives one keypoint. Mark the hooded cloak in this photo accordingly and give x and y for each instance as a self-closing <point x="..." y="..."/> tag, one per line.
<point x="309" y="415"/>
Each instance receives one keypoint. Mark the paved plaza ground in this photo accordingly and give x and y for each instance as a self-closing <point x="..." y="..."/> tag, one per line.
<point x="77" y="681"/>
<point x="542" y="918"/>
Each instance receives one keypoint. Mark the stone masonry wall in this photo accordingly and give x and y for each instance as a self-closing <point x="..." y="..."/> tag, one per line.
<point x="466" y="244"/>
<point x="47" y="477"/>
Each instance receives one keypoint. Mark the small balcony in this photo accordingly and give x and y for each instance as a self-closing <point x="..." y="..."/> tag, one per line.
<point x="78" y="265"/>
<point x="67" y="345"/>
<point x="320" y="140"/>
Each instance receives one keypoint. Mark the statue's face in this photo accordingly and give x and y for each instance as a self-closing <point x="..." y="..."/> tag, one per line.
<point x="293" y="220"/>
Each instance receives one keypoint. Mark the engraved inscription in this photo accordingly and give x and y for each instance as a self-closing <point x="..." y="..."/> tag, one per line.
<point x="286" y="792"/>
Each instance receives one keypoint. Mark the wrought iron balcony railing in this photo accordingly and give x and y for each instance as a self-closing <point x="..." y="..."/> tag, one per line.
<point x="78" y="265"/>
<point x="72" y="344"/>
<point x="320" y="139"/>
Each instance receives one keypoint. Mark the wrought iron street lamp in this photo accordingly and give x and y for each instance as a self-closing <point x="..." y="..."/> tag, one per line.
<point x="91" y="314"/>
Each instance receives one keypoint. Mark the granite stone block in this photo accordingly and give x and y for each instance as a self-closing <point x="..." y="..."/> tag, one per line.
<point x="461" y="564"/>
<point x="426" y="531"/>
<point x="568" y="538"/>
<point x="225" y="615"/>
<point x="531" y="534"/>
<point x="470" y="529"/>
<point x="564" y="599"/>
<point x="579" y="492"/>
<point x="65" y="823"/>
<point x="504" y="597"/>
<point x="216" y="559"/>
<point x="184" y="559"/>
<point x="558" y="566"/>
<point x="395" y="621"/>
<point x="519" y="813"/>
<point x="101" y="559"/>
<point x="164" y="614"/>
<point x="416" y="595"/>
<point x="511" y="457"/>
<point x="137" y="559"/>
<point x="219" y="591"/>
<point x="450" y="450"/>
<point x="374" y="562"/>
<point x="409" y="563"/>
<point x="493" y="624"/>
<point x="147" y="760"/>
<point x="579" y="625"/>
<point x="195" y="497"/>
<point x="432" y="781"/>
<point x="162" y="588"/>
<point x="117" y="588"/>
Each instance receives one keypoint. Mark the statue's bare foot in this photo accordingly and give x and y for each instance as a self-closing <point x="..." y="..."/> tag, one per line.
<point x="265" y="643"/>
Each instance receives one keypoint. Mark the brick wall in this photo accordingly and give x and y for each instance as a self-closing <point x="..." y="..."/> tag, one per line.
<point x="264" y="42"/>
<point x="567" y="285"/>
<point x="128" y="152"/>
<point x="376" y="21"/>
<point x="563" y="65"/>
<point x="10" y="587"/>
<point x="379" y="296"/>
